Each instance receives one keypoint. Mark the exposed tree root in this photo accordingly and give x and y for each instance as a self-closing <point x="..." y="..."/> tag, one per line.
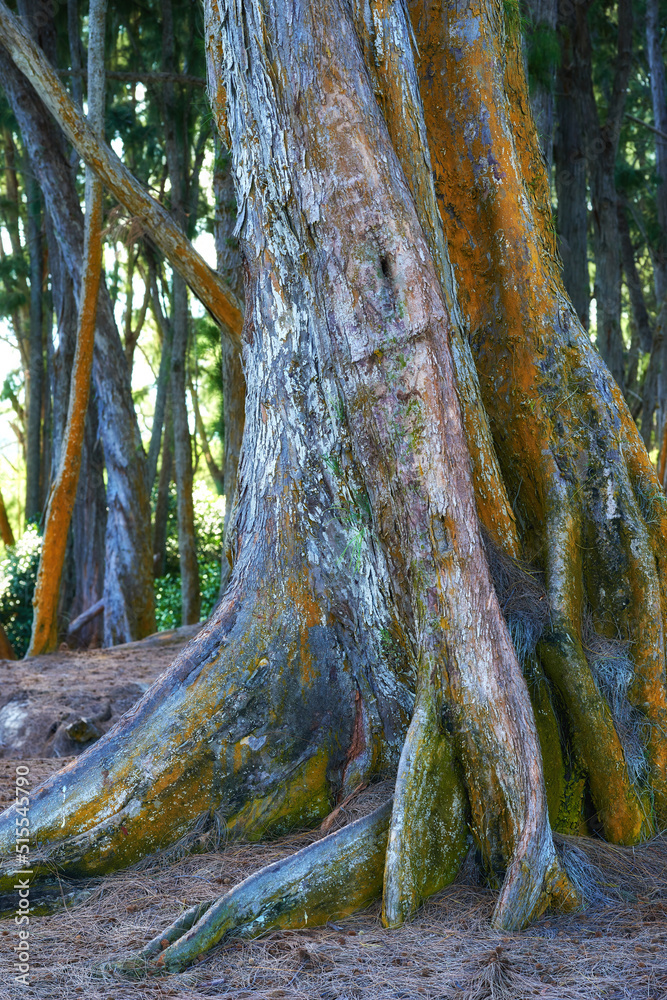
<point x="427" y="838"/>
<point x="328" y="879"/>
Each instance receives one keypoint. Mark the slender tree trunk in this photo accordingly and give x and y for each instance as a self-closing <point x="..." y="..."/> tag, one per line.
<point x="162" y="500"/>
<point x="233" y="380"/>
<point x="659" y="100"/>
<point x="542" y="43"/>
<point x="175" y="143"/>
<point x="570" y="161"/>
<point x="62" y="497"/>
<point x="214" y="469"/>
<point x="88" y="534"/>
<point x="601" y="148"/>
<point x="33" y="503"/>
<point x="6" y="532"/>
<point x="162" y="393"/>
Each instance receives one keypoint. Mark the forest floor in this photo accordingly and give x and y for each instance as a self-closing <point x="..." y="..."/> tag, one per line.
<point x="615" y="949"/>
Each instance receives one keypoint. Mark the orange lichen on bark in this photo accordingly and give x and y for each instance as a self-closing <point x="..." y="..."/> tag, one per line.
<point x="44" y="635"/>
<point x="549" y="398"/>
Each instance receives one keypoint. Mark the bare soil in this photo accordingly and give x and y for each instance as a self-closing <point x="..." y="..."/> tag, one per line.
<point x="615" y="949"/>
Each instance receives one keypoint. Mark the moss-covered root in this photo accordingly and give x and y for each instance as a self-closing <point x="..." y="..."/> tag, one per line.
<point x="534" y="882"/>
<point x="331" y="878"/>
<point x="427" y="834"/>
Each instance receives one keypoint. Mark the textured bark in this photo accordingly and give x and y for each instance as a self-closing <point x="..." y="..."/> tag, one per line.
<point x="129" y="602"/>
<point x="659" y="100"/>
<point x="63" y="492"/>
<point x="168" y="238"/>
<point x="162" y="393"/>
<point x="358" y="555"/>
<point x="88" y="534"/>
<point x="570" y="162"/>
<point x="589" y="502"/>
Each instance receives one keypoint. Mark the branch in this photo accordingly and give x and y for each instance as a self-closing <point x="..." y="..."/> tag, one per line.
<point x="651" y="128"/>
<point x="157" y="222"/>
<point x="141" y="77"/>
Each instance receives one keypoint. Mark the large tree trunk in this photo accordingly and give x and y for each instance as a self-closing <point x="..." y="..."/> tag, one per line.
<point x="360" y="631"/>
<point x="587" y="496"/>
<point x="128" y="582"/>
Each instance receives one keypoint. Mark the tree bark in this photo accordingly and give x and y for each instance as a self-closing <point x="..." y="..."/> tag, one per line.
<point x="601" y="142"/>
<point x="6" y="533"/>
<point x="129" y="607"/>
<point x="175" y="146"/>
<point x="33" y="503"/>
<point x="162" y="500"/>
<point x="570" y="162"/>
<point x="168" y="238"/>
<point x="564" y="436"/>
<point x="659" y="101"/>
<point x="63" y="492"/>
<point x="359" y="566"/>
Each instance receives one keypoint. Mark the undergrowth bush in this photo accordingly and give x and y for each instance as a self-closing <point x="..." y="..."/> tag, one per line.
<point x="18" y="572"/>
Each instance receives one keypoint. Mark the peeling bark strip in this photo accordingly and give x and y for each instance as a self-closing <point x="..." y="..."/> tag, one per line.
<point x="44" y="637"/>
<point x="117" y="178"/>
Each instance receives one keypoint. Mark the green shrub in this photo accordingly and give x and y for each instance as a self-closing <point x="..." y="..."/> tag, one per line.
<point x="18" y="572"/>
<point x="168" y="595"/>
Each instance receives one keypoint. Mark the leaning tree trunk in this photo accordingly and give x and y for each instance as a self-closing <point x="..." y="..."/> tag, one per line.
<point x="33" y="501"/>
<point x="359" y="569"/>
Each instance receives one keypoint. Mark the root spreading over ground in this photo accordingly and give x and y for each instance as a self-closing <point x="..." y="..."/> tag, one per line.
<point x="616" y="949"/>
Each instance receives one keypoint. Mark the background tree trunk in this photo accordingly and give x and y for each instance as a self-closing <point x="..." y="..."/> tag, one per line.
<point x="175" y="143"/>
<point x="570" y="161"/>
<point x="33" y="503"/>
<point x="128" y="586"/>
<point x="659" y="100"/>
<point x="601" y="142"/>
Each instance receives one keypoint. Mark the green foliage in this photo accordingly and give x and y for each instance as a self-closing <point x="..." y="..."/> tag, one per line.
<point x="209" y="510"/>
<point x="543" y="54"/>
<point x="168" y="595"/>
<point x="18" y="572"/>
